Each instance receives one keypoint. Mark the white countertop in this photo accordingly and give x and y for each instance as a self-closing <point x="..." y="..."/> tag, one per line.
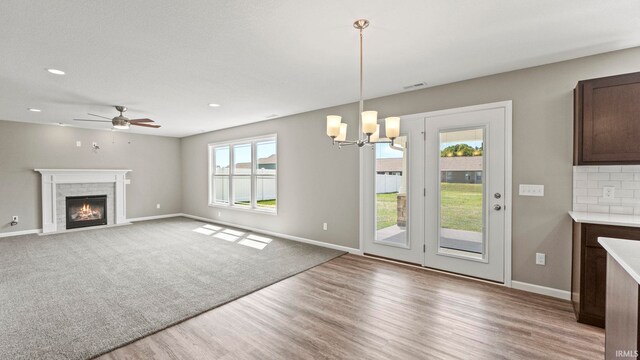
<point x="605" y="219"/>
<point x="626" y="253"/>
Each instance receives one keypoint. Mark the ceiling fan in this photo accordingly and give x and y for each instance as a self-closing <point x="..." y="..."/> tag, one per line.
<point x="122" y="122"/>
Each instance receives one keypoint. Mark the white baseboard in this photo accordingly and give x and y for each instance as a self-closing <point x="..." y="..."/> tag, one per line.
<point x="543" y="290"/>
<point x="39" y="231"/>
<point x="284" y="236"/>
<point x="272" y="233"/>
<point x="155" y="217"/>
<point x="23" y="232"/>
<point x="538" y="289"/>
<point x="88" y="228"/>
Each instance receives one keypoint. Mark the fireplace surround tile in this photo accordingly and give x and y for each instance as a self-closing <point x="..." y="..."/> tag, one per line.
<point x="83" y="189"/>
<point x="85" y="182"/>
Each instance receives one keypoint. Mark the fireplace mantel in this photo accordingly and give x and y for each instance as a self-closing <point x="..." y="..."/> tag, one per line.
<point x="52" y="177"/>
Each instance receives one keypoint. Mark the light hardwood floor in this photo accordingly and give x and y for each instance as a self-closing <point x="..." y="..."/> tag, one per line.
<point x="354" y="307"/>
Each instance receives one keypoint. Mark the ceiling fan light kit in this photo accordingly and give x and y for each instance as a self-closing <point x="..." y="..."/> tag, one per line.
<point x="337" y="130"/>
<point x="121" y="126"/>
<point x="121" y="122"/>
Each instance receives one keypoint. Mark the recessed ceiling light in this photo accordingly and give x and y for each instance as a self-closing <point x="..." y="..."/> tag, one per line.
<point x="34" y="110"/>
<point x="214" y="105"/>
<point x="56" y="71"/>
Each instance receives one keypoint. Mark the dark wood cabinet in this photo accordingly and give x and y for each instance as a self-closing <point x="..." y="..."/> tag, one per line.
<point x="607" y="120"/>
<point x="589" y="270"/>
<point x="595" y="280"/>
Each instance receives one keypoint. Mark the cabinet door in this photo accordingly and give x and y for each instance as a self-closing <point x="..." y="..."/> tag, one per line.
<point x="595" y="281"/>
<point x="610" y="122"/>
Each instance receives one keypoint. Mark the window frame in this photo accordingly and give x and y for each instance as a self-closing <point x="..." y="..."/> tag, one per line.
<point x="213" y="174"/>
<point x="253" y="174"/>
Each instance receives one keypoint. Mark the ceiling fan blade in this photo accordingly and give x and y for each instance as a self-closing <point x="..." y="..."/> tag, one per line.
<point x="106" y="121"/>
<point x="140" y="120"/>
<point x="145" y="125"/>
<point x="100" y="116"/>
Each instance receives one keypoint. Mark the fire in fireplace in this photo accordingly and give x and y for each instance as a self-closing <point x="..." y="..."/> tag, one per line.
<point x="86" y="211"/>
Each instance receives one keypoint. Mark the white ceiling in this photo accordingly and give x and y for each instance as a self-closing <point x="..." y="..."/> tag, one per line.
<point x="169" y="59"/>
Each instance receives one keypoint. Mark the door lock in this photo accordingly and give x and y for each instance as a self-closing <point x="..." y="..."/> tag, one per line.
<point x="497" y="207"/>
<point x="497" y="195"/>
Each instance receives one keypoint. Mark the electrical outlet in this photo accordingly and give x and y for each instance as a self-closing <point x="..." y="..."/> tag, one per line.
<point x="157" y="206"/>
<point x="608" y="192"/>
<point x="541" y="259"/>
<point x="219" y="213"/>
<point x="324" y="226"/>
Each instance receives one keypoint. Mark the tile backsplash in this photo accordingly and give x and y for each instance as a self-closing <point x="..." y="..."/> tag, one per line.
<point x="589" y="183"/>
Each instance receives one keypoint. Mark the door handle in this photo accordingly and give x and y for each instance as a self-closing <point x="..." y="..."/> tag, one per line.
<point x="497" y="207"/>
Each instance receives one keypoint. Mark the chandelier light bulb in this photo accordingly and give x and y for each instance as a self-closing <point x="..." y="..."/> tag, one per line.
<point x="343" y="133"/>
<point x="369" y="122"/>
<point x="392" y="127"/>
<point x="376" y="135"/>
<point x="333" y="125"/>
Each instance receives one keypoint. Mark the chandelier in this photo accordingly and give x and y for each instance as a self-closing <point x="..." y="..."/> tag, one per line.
<point x="337" y="130"/>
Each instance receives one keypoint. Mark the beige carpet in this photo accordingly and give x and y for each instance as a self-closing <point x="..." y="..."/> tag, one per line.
<point x="81" y="294"/>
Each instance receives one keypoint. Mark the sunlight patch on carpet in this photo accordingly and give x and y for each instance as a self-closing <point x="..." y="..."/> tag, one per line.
<point x="246" y="239"/>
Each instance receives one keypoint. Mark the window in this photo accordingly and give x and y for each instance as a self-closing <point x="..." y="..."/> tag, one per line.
<point x="243" y="174"/>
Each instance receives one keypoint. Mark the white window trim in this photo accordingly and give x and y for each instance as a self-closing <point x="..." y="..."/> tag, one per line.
<point x="230" y="205"/>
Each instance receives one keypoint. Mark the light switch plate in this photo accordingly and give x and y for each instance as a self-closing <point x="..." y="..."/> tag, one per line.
<point x="531" y="190"/>
<point x="79" y="143"/>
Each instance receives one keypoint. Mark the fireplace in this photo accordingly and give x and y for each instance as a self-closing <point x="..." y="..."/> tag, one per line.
<point x="86" y="211"/>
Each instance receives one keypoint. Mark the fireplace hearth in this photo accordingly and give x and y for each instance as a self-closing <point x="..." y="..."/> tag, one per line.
<point x="83" y="211"/>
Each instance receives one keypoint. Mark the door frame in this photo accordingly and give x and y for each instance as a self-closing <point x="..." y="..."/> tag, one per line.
<point x="365" y="183"/>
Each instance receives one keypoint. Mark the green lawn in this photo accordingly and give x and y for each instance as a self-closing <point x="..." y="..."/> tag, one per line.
<point x="267" y="203"/>
<point x="387" y="210"/>
<point x="261" y="203"/>
<point x="461" y="207"/>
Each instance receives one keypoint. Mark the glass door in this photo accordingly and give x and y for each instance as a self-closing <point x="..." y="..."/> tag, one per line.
<point x="465" y="185"/>
<point x="437" y="198"/>
<point x="393" y="218"/>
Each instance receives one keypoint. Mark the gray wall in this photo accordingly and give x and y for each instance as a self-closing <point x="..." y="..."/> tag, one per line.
<point x="319" y="183"/>
<point x="155" y="162"/>
<point x="316" y="182"/>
